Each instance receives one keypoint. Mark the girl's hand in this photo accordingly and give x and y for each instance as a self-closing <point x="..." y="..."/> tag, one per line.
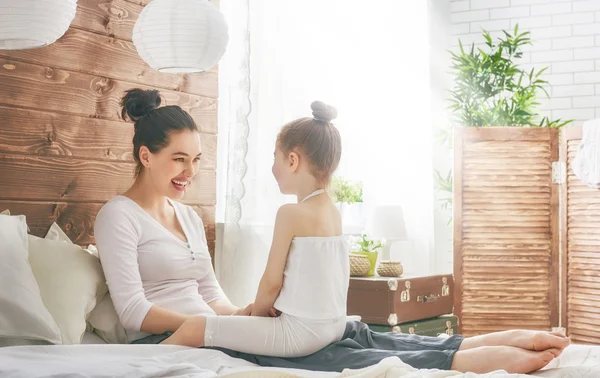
<point x="273" y="312"/>
<point x="244" y="311"/>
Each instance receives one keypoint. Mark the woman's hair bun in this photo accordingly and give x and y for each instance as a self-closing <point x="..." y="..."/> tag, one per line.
<point x="138" y="102"/>
<point x="323" y="112"/>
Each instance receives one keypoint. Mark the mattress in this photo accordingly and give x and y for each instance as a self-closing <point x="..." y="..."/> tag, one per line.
<point x="104" y="360"/>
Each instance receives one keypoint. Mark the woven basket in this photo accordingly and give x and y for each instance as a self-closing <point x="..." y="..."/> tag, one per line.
<point x="359" y="265"/>
<point x="390" y="269"/>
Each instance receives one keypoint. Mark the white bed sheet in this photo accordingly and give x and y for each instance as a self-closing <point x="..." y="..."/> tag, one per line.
<point x="101" y="361"/>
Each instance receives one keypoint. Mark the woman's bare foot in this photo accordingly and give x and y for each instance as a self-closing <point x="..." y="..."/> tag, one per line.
<point x="525" y="339"/>
<point x="513" y="360"/>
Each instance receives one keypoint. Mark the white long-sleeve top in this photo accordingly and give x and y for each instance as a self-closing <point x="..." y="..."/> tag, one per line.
<point x="146" y="264"/>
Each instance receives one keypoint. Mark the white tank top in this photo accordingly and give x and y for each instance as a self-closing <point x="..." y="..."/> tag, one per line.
<point x="316" y="277"/>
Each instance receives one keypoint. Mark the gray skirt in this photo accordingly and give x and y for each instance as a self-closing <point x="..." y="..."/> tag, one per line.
<point x="360" y="347"/>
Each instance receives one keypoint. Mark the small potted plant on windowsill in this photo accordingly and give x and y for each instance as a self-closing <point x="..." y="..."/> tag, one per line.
<point x="369" y="248"/>
<point x="348" y="198"/>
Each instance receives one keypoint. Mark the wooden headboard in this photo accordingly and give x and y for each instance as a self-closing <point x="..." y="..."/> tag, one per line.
<point x="64" y="151"/>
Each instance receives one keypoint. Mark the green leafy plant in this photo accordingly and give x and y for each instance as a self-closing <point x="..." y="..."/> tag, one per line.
<point x="343" y="191"/>
<point x="368" y="245"/>
<point x="490" y="89"/>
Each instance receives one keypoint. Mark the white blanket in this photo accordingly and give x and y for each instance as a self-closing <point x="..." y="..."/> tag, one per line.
<point x="145" y="361"/>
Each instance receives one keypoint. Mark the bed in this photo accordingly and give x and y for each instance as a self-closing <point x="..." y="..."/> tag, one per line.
<point x="97" y="359"/>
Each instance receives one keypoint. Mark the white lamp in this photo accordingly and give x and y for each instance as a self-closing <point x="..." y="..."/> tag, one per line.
<point x="179" y="36"/>
<point x="27" y="24"/>
<point x="387" y="222"/>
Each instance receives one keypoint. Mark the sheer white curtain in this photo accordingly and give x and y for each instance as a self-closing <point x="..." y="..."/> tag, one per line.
<point x="370" y="60"/>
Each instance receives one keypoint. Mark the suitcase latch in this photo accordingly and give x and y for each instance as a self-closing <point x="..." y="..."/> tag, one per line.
<point x="405" y="294"/>
<point x="428" y="298"/>
<point x="445" y="287"/>
<point x="449" y="329"/>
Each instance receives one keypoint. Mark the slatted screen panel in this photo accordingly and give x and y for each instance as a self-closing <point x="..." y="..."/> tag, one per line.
<point x="505" y="229"/>
<point x="581" y="242"/>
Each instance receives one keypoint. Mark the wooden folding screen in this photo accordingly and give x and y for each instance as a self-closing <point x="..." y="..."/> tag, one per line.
<point x="580" y="247"/>
<point x="506" y="262"/>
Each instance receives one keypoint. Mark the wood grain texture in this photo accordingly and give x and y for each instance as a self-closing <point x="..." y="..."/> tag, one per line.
<point x="86" y="52"/>
<point x="40" y="133"/>
<point x="76" y="219"/>
<point x="74" y="180"/>
<point x="505" y="239"/>
<point x="114" y="18"/>
<point x="64" y="150"/>
<point x="581" y="250"/>
<point x="43" y="88"/>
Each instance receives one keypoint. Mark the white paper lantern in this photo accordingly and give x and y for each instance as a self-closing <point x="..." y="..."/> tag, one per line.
<point x="178" y="36"/>
<point x="27" y="24"/>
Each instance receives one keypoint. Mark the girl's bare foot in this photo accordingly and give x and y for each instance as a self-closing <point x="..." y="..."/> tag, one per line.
<point x="513" y="360"/>
<point x="525" y="339"/>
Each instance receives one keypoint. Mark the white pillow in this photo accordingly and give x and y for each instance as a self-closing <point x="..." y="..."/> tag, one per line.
<point x="23" y="316"/>
<point x="105" y="322"/>
<point x="71" y="282"/>
<point x="103" y="319"/>
<point x="56" y="233"/>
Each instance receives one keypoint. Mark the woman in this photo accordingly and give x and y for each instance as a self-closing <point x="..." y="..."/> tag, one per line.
<point x="154" y="254"/>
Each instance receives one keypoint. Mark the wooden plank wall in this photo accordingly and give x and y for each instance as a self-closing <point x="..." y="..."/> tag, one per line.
<point x="64" y="150"/>
<point x="505" y="229"/>
<point x="580" y="221"/>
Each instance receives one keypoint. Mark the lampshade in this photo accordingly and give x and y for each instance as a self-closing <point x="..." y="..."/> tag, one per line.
<point x="179" y="36"/>
<point x="27" y="24"/>
<point x="386" y="222"/>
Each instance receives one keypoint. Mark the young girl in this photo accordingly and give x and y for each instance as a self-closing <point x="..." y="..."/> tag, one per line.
<point x="307" y="274"/>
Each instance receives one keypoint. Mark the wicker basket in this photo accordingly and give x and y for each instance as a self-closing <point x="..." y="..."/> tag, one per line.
<point x="390" y="269"/>
<point x="359" y="265"/>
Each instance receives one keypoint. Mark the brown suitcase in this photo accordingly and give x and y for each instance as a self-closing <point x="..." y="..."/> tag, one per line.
<point x="390" y="301"/>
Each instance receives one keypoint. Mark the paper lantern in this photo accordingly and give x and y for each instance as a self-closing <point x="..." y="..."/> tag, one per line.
<point x="27" y="24"/>
<point x="178" y="36"/>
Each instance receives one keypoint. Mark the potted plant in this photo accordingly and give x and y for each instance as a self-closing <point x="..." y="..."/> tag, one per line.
<point x="490" y="89"/>
<point x="369" y="248"/>
<point x="348" y="198"/>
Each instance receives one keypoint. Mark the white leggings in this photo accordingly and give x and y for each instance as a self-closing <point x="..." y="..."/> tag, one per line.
<point x="283" y="336"/>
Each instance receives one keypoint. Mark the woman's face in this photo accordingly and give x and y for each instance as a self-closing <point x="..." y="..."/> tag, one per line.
<point x="172" y="169"/>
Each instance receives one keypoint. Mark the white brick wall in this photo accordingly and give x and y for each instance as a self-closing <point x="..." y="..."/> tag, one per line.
<point x="566" y="38"/>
